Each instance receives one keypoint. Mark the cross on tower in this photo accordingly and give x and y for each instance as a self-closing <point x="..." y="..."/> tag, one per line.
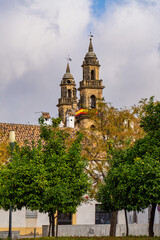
<point x="90" y="35"/>
<point x="68" y="59"/>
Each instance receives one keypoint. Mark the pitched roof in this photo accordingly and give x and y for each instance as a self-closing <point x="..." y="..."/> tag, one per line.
<point x="22" y="132"/>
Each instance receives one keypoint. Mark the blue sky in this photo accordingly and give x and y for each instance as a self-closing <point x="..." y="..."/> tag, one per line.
<point x="37" y="35"/>
<point x="98" y="7"/>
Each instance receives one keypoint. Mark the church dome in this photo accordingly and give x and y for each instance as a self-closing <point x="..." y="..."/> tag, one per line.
<point x="90" y="55"/>
<point x="68" y="74"/>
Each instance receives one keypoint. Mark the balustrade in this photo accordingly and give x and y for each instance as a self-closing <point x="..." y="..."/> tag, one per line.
<point x="64" y="101"/>
<point x="91" y="83"/>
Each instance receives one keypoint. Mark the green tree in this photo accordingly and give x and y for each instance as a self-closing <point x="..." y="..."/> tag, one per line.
<point x="113" y="129"/>
<point x="47" y="177"/>
<point x="133" y="180"/>
<point x="113" y="192"/>
<point x="149" y="146"/>
<point x="66" y="170"/>
<point x="23" y="180"/>
<point x="132" y="185"/>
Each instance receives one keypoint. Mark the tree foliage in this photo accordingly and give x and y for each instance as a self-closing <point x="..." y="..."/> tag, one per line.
<point x="133" y="181"/>
<point x="119" y="127"/>
<point x="23" y="180"/>
<point x="47" y="177"/>
<point x="113" y="129"/>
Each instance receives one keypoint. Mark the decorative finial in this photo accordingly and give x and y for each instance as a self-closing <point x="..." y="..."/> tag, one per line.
<point x="90" y="49"/>
<point x="68" y="59"/>
<point x="90" y="35"/>
<point x="68" y="68"/>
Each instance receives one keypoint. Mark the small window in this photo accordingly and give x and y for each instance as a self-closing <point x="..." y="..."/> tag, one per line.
<point x="102" y="217"/>
<point x="68" y="81"/>
<point x="64" y="219"/>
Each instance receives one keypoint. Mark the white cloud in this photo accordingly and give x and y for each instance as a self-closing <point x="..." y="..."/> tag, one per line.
<point x="37" y="35"/>
<point x="130" y="35"/>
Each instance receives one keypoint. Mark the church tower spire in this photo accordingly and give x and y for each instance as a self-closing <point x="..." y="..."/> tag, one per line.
<point x="90" y="49"/>
<point x="90" y="87"/>
<point x="67" y="68"/>
<point x="68" y="100"/>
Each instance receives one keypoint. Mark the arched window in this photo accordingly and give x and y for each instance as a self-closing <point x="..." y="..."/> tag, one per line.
<point x="93" y="101"/>
<point x="69" y="93"/>
<point x="92" y="75"/>
<point x="92" y="127"/>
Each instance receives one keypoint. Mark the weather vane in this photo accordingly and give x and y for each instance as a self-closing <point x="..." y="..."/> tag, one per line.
<point x="38" y="112"/>
<point x="90" y="35"/>
<point x="68" y="59"/>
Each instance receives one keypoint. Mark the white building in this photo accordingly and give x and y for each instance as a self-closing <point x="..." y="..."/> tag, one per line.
<point x="87" y="215"/>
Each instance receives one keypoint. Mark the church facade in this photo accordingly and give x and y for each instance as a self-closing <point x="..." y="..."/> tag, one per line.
<point x="90" y="89"/>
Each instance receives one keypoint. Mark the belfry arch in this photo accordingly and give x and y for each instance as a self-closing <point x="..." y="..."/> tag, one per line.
<point x="93" y="101"/>
<point x="92" y="75"/>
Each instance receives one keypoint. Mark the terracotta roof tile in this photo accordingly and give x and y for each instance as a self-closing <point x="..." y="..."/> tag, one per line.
<point x="22" y="131"/>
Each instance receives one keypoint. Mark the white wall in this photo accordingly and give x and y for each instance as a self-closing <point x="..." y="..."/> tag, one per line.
<point x="42" y="219"/>
<point x="85" y="216"/>
<point x="70" y="121"/>
<point x="86" y="213"/>
<point x="121" y="217"/>
<point x="143" y="217"/>
<point x="103" y="230"/>
<point x="19" y="219"/>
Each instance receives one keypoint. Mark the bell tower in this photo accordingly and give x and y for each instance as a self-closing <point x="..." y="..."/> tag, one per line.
<point x="68" y="100"/>
<point x="90" y="87"/>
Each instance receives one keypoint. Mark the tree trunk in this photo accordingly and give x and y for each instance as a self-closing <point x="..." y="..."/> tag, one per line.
<point x="57" y="225"/>
<point x="113" y="224"/>
<point x="53" y="222"/>
<point x="126" y="219"/>
<point x="50" y="222"/>
<point x="151" y="220"/>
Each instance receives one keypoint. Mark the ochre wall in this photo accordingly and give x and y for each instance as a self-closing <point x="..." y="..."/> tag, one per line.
<point x="25" y="230"/>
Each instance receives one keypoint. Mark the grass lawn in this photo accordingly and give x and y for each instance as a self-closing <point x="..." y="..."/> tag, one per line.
<point x="94" y="238"/>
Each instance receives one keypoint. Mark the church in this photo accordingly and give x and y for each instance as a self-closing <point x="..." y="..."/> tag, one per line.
<point x="89" y="220"/>
<point x="73" y="112"/>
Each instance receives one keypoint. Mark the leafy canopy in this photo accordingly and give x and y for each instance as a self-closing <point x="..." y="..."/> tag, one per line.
<point x="133" y="181"/>
<point x="46" y="177"/>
